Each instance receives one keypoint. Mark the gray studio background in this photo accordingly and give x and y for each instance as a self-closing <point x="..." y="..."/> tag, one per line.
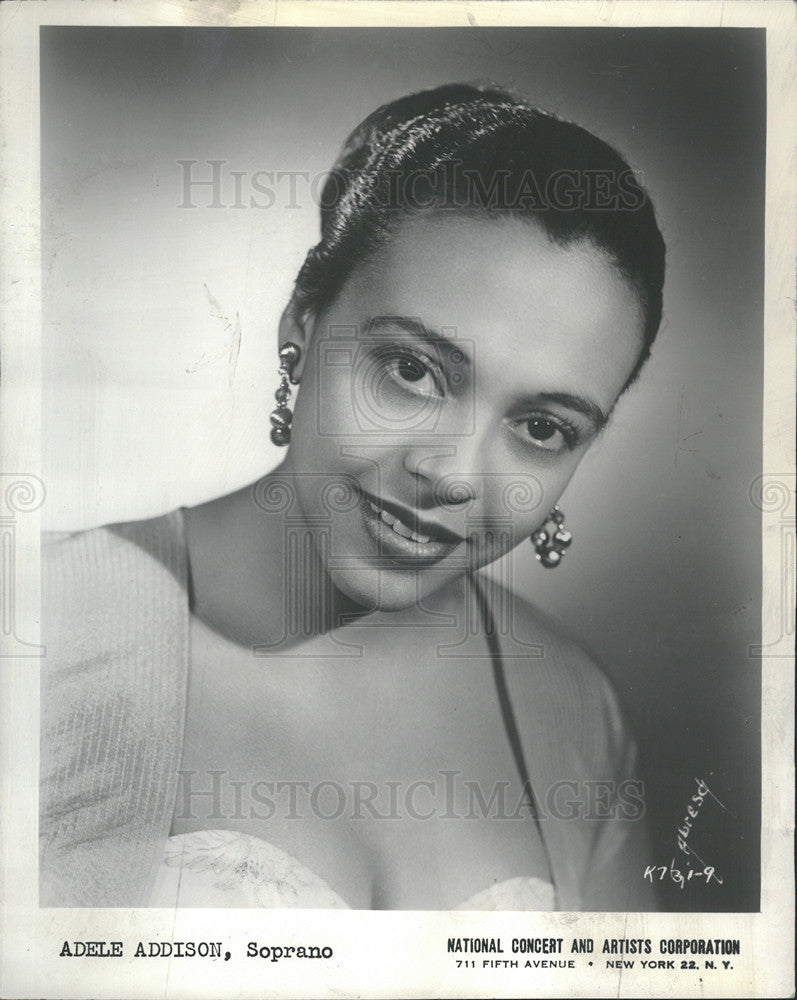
<point x="144" y="410"/>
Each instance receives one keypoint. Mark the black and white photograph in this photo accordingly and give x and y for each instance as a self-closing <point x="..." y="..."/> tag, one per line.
<point x="413" y="501"/>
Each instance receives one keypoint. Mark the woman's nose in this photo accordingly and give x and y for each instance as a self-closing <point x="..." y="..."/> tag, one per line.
<point x="442" y="473"/>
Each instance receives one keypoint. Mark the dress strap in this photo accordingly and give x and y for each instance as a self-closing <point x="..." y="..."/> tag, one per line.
<point x="505" y="704"/>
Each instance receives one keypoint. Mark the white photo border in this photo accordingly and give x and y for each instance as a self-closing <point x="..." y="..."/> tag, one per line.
<point x="400" y="953"/>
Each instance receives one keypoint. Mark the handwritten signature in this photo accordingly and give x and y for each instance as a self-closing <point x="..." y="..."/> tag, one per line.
<point x="676" y="875"/>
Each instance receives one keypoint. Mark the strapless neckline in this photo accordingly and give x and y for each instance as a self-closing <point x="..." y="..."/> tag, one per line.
<point x="223" y="868"/>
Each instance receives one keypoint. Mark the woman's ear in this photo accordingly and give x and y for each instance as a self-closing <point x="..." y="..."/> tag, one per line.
<point x="296" y="328"/>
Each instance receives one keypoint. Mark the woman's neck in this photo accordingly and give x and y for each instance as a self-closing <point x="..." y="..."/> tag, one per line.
<point x="256" y="576"/>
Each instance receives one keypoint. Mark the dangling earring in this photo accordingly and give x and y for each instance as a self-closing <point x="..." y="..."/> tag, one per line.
<point x="281" y="417"/>
<point x="552" y="540"/>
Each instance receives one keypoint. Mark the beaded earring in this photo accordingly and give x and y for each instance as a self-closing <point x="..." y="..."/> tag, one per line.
<point x="552" y="540"/>
<point x="283" y="415"/>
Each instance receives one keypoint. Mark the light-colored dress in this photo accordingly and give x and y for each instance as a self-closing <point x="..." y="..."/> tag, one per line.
<point x="221" y="868"/>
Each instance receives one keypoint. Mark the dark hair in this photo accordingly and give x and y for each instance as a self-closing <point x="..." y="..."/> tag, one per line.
<point x="480" y="150"/>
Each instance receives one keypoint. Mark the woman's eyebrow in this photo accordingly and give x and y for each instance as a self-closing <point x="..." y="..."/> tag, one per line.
<point x="577" y="403"/>
<point x="417" y="328"/>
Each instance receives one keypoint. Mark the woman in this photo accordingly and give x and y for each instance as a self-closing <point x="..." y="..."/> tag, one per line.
<point x="306" y="693"/>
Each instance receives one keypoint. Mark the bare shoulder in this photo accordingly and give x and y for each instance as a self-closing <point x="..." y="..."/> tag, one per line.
<point x="522" y="625"/>
<point x="548" y="660"/>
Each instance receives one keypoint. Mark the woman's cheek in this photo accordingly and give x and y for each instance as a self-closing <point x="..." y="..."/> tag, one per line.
<point x="324" y="408"/>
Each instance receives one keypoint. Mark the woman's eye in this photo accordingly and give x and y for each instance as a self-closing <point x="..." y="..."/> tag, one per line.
<point x="413" y="375"/>
<point x="411" y="370"/>
<point x="547" y="434"/>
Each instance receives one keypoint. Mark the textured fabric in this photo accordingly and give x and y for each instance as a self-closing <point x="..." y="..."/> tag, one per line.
<point x="221" y="868"/>
<point x="115" y="626"/>
<point x="116" y="622"/>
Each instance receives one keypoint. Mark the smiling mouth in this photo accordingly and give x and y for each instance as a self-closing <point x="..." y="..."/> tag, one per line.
<point x="398" y="526"/>
<point x="399" y="532"/>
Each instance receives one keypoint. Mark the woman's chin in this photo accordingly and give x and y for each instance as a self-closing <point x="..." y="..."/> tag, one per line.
<point x="385" y="590"/>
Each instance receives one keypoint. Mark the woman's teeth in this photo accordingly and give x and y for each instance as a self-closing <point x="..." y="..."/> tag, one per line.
<point x="398" y="526"/>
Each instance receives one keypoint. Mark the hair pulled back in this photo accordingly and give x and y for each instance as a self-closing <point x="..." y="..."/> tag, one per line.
<point x="481" y="151"/>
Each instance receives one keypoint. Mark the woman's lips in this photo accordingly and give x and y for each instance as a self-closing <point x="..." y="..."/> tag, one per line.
<point x="400" y="533"/>
<point x="398" y="526"/>
<point x="412" y="521"/>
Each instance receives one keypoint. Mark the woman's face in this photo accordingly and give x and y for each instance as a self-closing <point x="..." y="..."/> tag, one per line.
<point x="447" y="397"/>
